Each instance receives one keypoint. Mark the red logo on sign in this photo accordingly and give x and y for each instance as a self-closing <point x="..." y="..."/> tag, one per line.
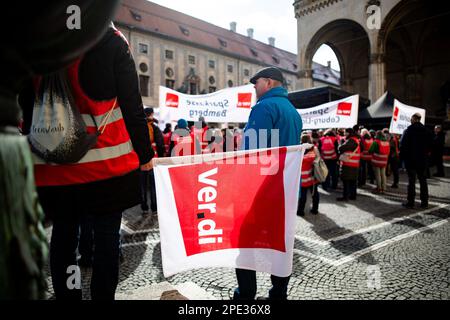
<point x="396" y="111"/>
<point x="215" y="213"/>
<point x="344" y="109"/>
<point x="244" y="100"/>
<point x="171" y="100"/>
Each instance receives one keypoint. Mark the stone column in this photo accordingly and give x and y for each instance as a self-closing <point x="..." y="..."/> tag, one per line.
<point x="305" y="80"/>
<point x="377" y="77"/>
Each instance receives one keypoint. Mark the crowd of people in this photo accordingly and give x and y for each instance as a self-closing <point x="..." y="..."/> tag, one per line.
<point x="85" y="200"/>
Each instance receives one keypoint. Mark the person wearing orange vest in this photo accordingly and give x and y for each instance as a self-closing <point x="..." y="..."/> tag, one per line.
<point x="350" y="154"/>
<point x="105" y="181"/>
<point x="167" y="135"/>
<point x="328" y="147"/>
<point x="380" y="154"/>
<point x="308" y="182"/>
<point x="366" y="157"/>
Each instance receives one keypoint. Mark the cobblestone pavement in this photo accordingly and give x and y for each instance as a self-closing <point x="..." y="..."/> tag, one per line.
<point x="371" y="248"/>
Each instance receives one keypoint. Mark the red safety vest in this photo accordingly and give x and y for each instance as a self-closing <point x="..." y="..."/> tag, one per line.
<point x="351" y="158"/>
<point x="365" y="155"/>
<point x="112" y="156"/>
<point x="380" y="159"/>
<point x="328" y="149"/>
<point x="308" y="179"/>
<point x="167" y="138"/>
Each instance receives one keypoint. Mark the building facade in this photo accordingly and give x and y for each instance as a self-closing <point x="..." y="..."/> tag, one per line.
<point x="195" y="57"/>
<point x="396" y="45"/>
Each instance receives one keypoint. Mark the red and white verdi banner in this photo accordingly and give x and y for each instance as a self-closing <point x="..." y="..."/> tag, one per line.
<point x="401" y="117"/>
<point x="237" y="212"/>
<point x="336" y="114"/>
<point x="227" y="105"/>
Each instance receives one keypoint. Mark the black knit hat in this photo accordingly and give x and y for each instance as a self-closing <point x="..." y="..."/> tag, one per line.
<point x="270" y="72"/>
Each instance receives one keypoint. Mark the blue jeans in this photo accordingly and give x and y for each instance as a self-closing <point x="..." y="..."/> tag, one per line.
<point x="247" y="286"/>
<point x="63" y="246"/>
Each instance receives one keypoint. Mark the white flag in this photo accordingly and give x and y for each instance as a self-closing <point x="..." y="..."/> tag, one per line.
<point x="237" y="212"/>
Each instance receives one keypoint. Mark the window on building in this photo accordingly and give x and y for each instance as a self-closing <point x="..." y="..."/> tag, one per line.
<point x="246" y="72"/>
<point x="169" y="54"/>
<point x="191" y="59"/>
<point x="212" y="64"/>
<point x="143" y="85"/>
<point x="295" y="66"/>
<point x="170" y="83"/>
<point x="276" y="59"/>
<point x="143" y="67"/>
<point x="230" y="68"/>
<point x="212" y="89"/>
<point x="254" y="52"/>
<point x="230" y="83"/>
<point x="211" y="80"/>
<point x="143" y="48"/>
<point x="193" y="88"/>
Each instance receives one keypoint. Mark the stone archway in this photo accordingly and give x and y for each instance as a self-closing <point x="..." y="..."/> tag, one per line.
<point x="351" y="44"/>
<point x="416" y="54"/>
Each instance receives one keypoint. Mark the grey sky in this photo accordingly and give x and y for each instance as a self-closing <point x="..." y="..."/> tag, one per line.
<point x="268" y="18"/>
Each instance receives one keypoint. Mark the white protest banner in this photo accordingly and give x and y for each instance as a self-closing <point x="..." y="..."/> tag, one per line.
<point x="227" y="105"/>
<point x="336" y="114"/>
<point x="401" y="117"/>
<point x="234" y="209"/>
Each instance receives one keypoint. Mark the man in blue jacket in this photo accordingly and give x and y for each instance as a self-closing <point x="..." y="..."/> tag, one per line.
<point x="275" y="114"/>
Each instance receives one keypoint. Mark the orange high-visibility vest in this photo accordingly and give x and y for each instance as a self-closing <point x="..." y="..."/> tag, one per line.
<point x="112" y="156"/>
<point x="328" y="149"/>
<point x="380" y="159"/>
<point x="365" y="155"/>
<point x="352" y="157"/>
<point x="307" y="169"/>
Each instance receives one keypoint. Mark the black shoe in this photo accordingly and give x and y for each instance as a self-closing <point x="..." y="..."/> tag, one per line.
<point x="341" y="199"/>
<point x="300" y="214"/>
<point x="352" y="198"/>
<point x="394" y="186"/>
<point x="424" y="205"/>
<point x="408" y="205"/>
<point x="314" y="211"/>
<point x="439" y="175"/>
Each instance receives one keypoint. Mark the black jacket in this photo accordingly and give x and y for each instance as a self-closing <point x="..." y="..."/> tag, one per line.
<point x="106" y="71"/>
<point x="415" y="145"/>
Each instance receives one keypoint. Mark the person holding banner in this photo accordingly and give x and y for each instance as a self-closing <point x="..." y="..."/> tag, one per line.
<point x="414" y="149"/>
<point x="272" y="115"/>
<point x="350" y="154"/>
